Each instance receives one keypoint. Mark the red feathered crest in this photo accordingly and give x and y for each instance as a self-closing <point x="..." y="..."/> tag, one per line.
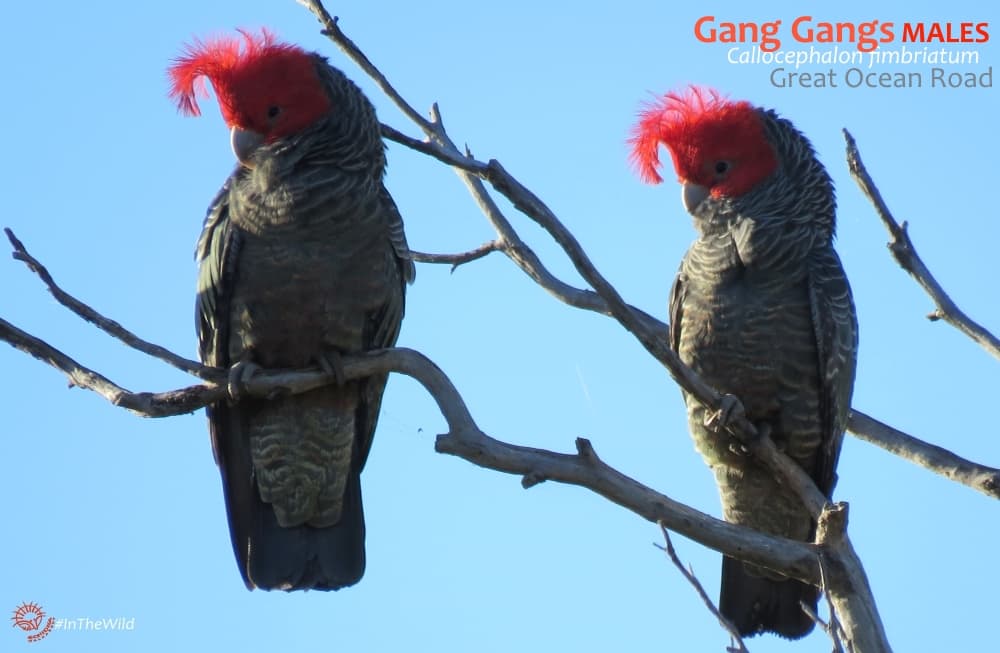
<point x="220" y="60"/>
<point x="682" y="122"/>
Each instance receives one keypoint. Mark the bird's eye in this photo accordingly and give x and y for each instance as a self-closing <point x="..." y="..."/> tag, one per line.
<point x="721" y="167"/>
<point x="273" y="111"/>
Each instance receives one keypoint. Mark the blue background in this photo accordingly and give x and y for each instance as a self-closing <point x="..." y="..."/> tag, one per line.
<point x="108" y="514"/>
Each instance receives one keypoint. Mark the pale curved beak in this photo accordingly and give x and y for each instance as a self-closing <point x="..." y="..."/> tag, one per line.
<point x="692" y="195"/>
<point x="245" y="143"/>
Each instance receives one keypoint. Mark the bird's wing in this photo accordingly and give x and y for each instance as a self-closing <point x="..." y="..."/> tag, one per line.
<point x="216" y="254"/>
<point x="384" y="323"/>
<point x="398" y="238"/>
<point x="835" y="326"/>
<point x="676" y="309"/>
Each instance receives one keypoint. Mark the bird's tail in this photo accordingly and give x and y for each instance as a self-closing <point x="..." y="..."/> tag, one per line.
<point x="306" y="557"/>
<point x="756" y="604"/>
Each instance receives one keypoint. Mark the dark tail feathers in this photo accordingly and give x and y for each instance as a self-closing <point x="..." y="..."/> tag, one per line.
<point x="306" y="557"/>
<point x="756" y="604"/>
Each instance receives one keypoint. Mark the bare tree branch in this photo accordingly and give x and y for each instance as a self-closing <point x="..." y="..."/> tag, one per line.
<point x="647" y="330"/>
<point x="764" y="449"/>
<point x="846" y="584"/>
<point x="650" y="331"/>
<point x="937" y="459"/>
<point x="461" y="258"/>
<point x="833" y="628"/>
<point x="824" y="626"/>
<point x="906" y="255"/>
<point x="584" y="468"/>
<point x="514" y="247"/>
<point x="929" y="456"/>
<point x="977" y="476"/>
<point x="831" y="562"/>
<point x="463" y="439"/>
<point x="90" y="315"/>
<point x="980" y="477"/>
<point x="734" y="634"/>
<point x="83" y="377"/>
<point x="862" y="626"/>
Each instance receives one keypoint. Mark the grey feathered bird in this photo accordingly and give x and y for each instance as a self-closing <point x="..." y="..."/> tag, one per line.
<point x="761" y="309"/>
<point x="302" y="259"/>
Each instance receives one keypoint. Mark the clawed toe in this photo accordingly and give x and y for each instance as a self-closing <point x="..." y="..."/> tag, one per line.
<point x="730" y="410"/>
<point x="741" y="448"/>
<point x="332" y="364"/>
<point x="239" y="375"/>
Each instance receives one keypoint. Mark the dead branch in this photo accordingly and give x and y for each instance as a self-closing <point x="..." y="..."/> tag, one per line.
<point x="846" y="585"/>
<point x="833" y="628"/>
<point x="90" y="315"/>
<point x="824" y="626"/>
<point x="440" y="146"/>
<point x="463" y="439"/>
<point x="863" y="626"/>
<point x="606" y="301"/>
<point x="604" y="298"/>
<point x="929" y="456"/>
<point x="688" y="574"/>
<point x="906" y="255"/>
<point x="461" y="258"/>
<point x="844" y="575"/>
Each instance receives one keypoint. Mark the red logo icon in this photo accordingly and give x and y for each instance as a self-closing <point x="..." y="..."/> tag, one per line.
<point x="29" y="617"/>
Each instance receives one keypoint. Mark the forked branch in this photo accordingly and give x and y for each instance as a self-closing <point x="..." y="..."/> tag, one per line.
<point x="841" y="573"/>
<point x="905" y="253"/>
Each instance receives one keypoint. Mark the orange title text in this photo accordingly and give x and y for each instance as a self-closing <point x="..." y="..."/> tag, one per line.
<point x="867" y="35"/>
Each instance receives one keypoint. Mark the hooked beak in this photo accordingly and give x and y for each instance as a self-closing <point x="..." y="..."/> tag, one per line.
<point x="692" y="195"/>
<point x="245" y="143"/>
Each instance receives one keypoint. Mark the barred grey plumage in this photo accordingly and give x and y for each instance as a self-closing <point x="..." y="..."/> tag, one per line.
<point x="761" y="309"/>
<point x="302" y="258"/>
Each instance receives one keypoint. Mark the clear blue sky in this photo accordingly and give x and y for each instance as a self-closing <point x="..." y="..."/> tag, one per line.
<point x="111" y="515"/>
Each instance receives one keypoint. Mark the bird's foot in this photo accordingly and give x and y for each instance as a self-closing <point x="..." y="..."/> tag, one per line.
<point x="730" y="410"/>
<point x="743" y="448"/>
<point x="332" y="364"/>
<point x="239" y="374"/>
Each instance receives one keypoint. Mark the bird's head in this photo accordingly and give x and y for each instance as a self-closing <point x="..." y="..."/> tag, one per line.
<point x="718" y="146"/>
<point x="266" y="90"/>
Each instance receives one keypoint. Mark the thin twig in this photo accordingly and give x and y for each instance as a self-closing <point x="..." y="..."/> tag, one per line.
<point x="816" y="619"/>
<point x="516" y="249"/>
<point x="78" y="375"/>
<point x="833" y="628"/>
<point x="435" y="150"/>
<point x="332" y="30"/>
<point x="90" y="315"/>
<point x="461" y="258"/>
<point x="734" y="633"/>
<point x="906" y="255"/>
